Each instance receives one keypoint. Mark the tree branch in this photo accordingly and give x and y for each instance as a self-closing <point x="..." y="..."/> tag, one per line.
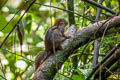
<point x="115" y="55"/>
<point x="80" y="37"/>
<point x="100" y="6"/>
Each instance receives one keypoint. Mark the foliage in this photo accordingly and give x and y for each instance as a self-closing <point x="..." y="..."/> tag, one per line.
<point x="34" y="26"/>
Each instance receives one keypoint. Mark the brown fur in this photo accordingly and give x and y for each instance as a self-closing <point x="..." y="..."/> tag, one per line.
<point x="53" y="39"/>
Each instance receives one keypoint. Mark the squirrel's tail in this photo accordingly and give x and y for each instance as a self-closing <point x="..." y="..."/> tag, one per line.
<point x="40" y="58"/>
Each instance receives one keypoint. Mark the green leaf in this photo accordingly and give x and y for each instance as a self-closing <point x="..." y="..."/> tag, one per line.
<point x="11" y="10"/>
<point x="78" y="76"/>
<point x="2" y="21"/>
<point x="28" y="23"/>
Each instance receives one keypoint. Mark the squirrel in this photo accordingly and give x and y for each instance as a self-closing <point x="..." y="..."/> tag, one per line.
<point x="53" y="39"/>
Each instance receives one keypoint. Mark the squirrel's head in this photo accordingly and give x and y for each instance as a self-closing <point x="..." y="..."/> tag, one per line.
<point x="60" y="22"/>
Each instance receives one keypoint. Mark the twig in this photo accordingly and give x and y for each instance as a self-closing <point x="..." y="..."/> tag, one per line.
<point x="14" y="16"/>
<point x="66" y="11"/>
<point x="110" y="71"/>
<point x="65" y="76"/>
<point x="17" y="23"/>
<point x="100" y="6"/>
<point x="106" y="57"/>
<point x="19" y="55"/>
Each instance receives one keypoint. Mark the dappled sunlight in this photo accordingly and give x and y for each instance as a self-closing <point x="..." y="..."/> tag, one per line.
<point x="4" y="61"/>
<point x="9" y="76"/>
<point x="21" y="64"/>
